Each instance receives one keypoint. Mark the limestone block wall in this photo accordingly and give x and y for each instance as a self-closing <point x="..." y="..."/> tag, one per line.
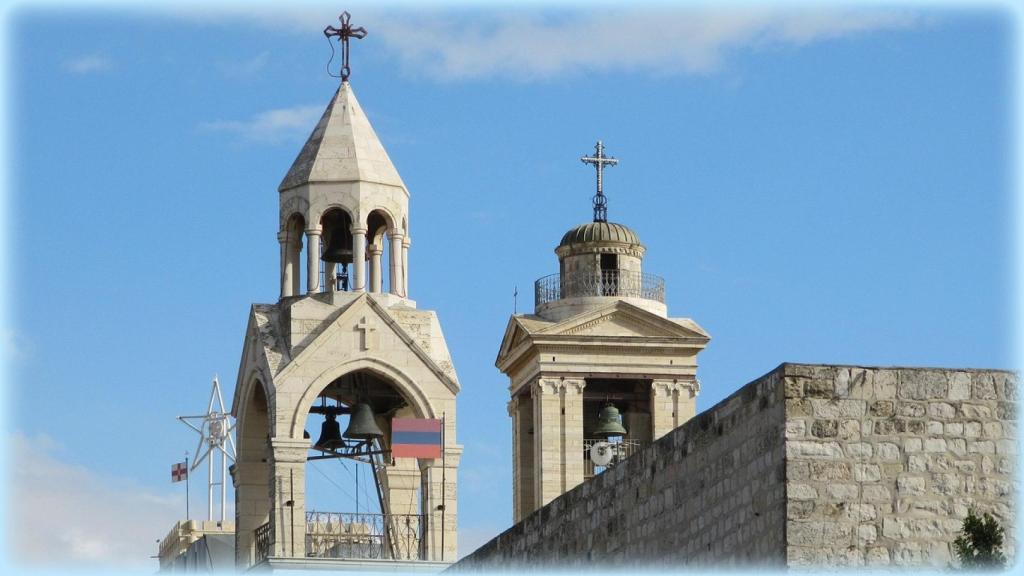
<point x="711" y="491"/>
<point x="809" y="465"/>
<point x="882" y="465"/>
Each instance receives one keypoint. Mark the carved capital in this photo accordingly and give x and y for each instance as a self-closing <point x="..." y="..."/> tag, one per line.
<point x="313" y="231"/>
<point x="289" y="450"/>
<point x="664" y="388"/>
<point x="574" y="385"/>
<point x="543" y="386"/>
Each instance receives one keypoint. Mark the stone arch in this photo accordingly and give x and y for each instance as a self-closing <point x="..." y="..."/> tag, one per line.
<point x="404" y="384"/>
<point x="252" y="472"/>
<point x="318" y="214"/>
<point x="291" y="207"/>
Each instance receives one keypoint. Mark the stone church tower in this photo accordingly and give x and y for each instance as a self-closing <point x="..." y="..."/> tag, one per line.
<point x="344" y="332"/>
<point x="600" y="335"/>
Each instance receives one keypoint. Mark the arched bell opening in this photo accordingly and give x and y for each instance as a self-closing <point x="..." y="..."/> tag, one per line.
<point x="377" y="252"/>
<point x="291" y="256"/>
<point x="617" y="411"/>
<point x="360" y="501"/>
<point x="337" y="252"/>
<point x="251" y="477"/>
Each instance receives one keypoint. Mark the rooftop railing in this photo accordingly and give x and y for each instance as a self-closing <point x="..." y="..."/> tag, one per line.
<point x="354" y="535"/>
<point x="622" y="283"/>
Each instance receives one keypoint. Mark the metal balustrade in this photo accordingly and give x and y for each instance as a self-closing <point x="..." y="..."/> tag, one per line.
<point x="623" y="449"/>
<point x="355" y="535"/>
<point x="264" y="536"/>
<point x="623" y="283"/>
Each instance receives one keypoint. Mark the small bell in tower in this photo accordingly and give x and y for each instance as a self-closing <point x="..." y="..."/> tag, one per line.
<point x="362" y="425"/>
<point x="609" y="423"/>
<point x="330" y="435"/>
<point x="339" y="246"/>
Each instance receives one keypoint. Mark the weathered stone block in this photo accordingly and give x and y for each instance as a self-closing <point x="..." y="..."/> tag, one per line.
<point x="887" y="452"/>
<point x="825" y="429"/>
<point x="954" y="428"/>
<point x="835" y="408"/>
<point x="819" y="388"/>
<point x="941" y="410"/>
<point x="849" y="430"/>
<point x="794" y="387"/>
<point x="867" y="472"/>
<point x="934" y="445"/>
<point x="812" y="450"/>
<point x="1006" y="411"/>
<point x="829" y="471"/>
<point x="912" y="444"/>
<point x="859" y="450"/>
<point x="876" y="493"/>
<point x="795" y="428"/>
<point x="886" y="383"/>
<point x="910" y="485"/>
<point x="885" y="427"/>
<point x="981" y="447"/>
<point x="911" y="409"/>
<point x="934" y="428"/>
<point x="917" y="463"/>
<point x="959" y="386"/>
<point x="975" y="411"/>
<point x="882" y="408"/>
<point x="972" y="429"/>
<point x="983" y="387"/>
<point x="844" y="492"/>
<point x="877" y="556"/>
<point x="801" y="492"/>
<point x="922" y="384"/>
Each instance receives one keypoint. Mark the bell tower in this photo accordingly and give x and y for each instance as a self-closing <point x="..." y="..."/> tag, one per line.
<point x="599" y="359"/>
<point x="343" y="356"/>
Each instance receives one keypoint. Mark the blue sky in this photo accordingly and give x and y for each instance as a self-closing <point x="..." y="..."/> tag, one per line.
<point x="829" y="186"/>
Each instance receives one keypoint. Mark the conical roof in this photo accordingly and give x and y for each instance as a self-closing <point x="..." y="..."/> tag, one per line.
<point x="342" y="148"/>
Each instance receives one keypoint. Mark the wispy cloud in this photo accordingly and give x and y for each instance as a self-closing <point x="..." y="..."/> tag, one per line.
<point x="271" y="126"/>
<point x="88" y="64"/>
<point x="12" y="346"/>
<point x="528" y="47"/>
<point x="536" y="43"/>
<point x="63" y="515"/>
<point x="247" y="68"/>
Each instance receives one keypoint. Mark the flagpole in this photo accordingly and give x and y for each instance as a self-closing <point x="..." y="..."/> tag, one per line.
<point x="187" y="482"/>
<point x="444" y="484"/>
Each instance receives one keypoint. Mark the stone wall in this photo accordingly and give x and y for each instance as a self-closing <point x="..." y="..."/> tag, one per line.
<point x="882" y="465"/>
<point x="711" y="491"/>
<point x="805" y="466"/>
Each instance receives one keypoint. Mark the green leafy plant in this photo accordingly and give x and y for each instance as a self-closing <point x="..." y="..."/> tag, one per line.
<point x="980" y="542"/>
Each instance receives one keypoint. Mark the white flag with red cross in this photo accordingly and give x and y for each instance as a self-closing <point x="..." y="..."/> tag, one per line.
<point x="179" y="472"/>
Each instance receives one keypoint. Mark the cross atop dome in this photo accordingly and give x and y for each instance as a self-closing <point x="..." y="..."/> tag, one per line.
<point x="344" y="33"/>
<point x="599" y="160"/>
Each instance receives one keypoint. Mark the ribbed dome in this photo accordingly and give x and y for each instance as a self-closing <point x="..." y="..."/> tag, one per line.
<point x="600" y="232"/>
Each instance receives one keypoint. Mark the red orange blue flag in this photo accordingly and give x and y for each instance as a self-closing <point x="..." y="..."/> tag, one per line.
<point x="415" y="438"/>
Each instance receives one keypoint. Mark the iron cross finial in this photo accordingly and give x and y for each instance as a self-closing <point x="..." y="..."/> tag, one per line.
<point x="344" y="33"/>
<point x="599" y="160"/>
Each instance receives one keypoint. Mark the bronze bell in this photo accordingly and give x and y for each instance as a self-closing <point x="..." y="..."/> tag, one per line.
<point x="330" y="435"/>
<point x="609" y="423"/>
<point x="339" y="246"/>
<point x="361" y="424"/>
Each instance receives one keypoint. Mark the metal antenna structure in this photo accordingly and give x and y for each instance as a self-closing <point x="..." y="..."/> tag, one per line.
<point x="599" y="160"/>
<point x="344" y="33"/>
<point x="214" y="430"/>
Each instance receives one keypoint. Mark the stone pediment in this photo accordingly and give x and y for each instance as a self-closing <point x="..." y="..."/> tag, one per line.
<point x="624" y="320"/>
<point x="366" y="329"/>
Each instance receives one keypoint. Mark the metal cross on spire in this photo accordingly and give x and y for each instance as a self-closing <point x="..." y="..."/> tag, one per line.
<point x="599" y="160"/>
<point x="214" y="430"/>
<point x="344" y="33"/>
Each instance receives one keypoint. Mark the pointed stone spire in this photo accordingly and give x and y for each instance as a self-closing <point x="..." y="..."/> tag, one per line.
<point x="342" y="148"/>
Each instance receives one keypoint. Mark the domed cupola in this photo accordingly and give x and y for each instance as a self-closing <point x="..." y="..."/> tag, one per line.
<point x="598" y="261"/>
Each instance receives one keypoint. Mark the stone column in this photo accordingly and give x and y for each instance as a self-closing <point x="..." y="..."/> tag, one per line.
<point x="440" y="505"/>
<point x="520" y="408"/>
<point x="286" y="269"/>
<point x="549" y="441"/>
<point x="405" y="265"/>
<point x="358" y="259"/>
<point x="252" y="502"/>
<point x="400" y="483"/>
<point x="288" y="490"/>
<point x="376" y="282"/>
<point x="664" y="417"/>
<point x="312" y="260"/>
<point x="572" y="433"/>
<point x="330" y="271"/>
<point x="672" y="403"/>
<point x="397" y="283"/>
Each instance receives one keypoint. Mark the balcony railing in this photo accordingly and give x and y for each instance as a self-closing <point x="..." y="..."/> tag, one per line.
<point x="352" y="535"/>
<point x="622" y="449"/>
<point x="264" y="535"/>
<point x="623" y="283"/>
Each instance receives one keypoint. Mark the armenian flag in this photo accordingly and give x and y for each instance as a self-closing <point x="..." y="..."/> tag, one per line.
<point x="415" y="438"/>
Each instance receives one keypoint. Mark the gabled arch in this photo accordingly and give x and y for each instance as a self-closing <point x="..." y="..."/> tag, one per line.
<point x="406" y="386"/>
